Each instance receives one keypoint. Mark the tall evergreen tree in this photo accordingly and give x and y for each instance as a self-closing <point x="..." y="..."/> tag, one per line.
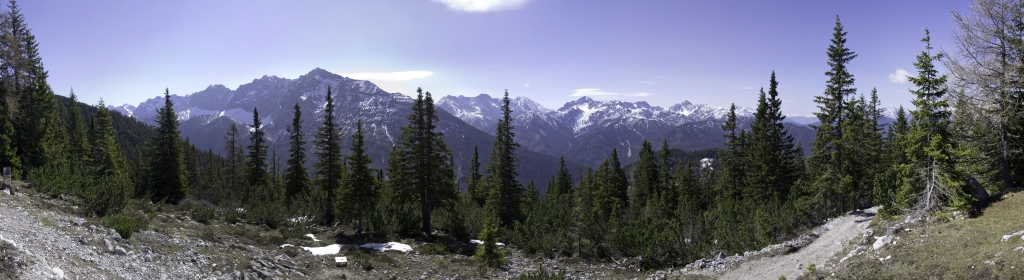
<point x="928" y="144"/>
<point x="166" y="166"/>
<point x="562" y="183"/>
<point x="611" y="194"/>
<point x="645" y="182"/>
<point x="420" y="164"/>
<point x="235" y="156"/>
<point x="826" y="164"/>
<point x="329" y="169"/>
<point x="296" y="177"/>
<point x="357" y="196"/>
<point x="79" y="143"/>
<point x="474" y="185"/>
<point x="256" y="174"/>
<point x="730" y="186"/>
<point x="505" y="190"/>
<point x="109" y="167"/>
<point x="771" y="163"/>
<point x="40" y="140"/>
<point x="8" y="150"/>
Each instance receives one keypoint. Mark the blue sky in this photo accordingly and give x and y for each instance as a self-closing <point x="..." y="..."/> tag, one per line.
<point x="552" y="51"/>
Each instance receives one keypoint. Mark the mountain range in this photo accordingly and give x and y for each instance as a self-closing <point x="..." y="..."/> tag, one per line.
<point x="584" y="131"/>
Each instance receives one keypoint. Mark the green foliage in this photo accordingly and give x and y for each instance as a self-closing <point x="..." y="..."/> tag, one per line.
<point x="542" y="274"/>
<point x="329" y="169"/>
<point x="203" y="214"/>
<point x="505" y="191"/>
<point x="166" y="167"/>
<point x="357" y="196"/>
<point x="420" y="170"/>
<point x="296" y="177"/>
<point x="488" y="253"/>
<point x="125" y="225"/>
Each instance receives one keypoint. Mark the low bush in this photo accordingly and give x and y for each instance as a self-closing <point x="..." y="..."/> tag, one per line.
<point x="203" y="214"/>
<point x="125" y="225"/>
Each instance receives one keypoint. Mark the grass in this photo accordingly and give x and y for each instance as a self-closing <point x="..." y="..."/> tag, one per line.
<point x="955" y="249"/>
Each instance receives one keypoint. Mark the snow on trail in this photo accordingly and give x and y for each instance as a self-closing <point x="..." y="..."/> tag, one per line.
<point x="336" y="248"/>
<point x="840" y="231"/>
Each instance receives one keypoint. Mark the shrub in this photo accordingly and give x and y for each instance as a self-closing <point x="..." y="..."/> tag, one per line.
<point x="232" y="215"/>
<point x="488" y="253"/>
<point x="541" y="274"/>
<point x="125" y="225"/>
<point x="202" y="214"/>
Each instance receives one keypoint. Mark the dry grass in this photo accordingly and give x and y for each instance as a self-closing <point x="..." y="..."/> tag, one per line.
<point x="957" y="249"/>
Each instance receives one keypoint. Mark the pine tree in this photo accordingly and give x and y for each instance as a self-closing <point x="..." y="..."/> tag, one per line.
<point x="8" y="150"/>
<point x="771" y="168"/>
<point x="488" y="253"/>
<point x="112" y="187"/>
<point x="645" y="182"/>
<point x="827" y="163"/>
<point x="730" y="186"/>
<point x="420" y="164"/>
<point x="166" y="166"/>
<point x="296" y="177"/>
<point x="39" y="140"/>
<point x="234" y="155"/>
<point x="357" y="196"/>
<point x="79" y="143"/>
<point x="474" y="185"/>
<point x="328" y="169"/>
<point x="562" y="183"/>
<point x="505" y="190"/>
<point x="895" y="163"/>
<point x="928" y="143"/>
<point x="611" y="194"/>
<point x="256" y="174"/>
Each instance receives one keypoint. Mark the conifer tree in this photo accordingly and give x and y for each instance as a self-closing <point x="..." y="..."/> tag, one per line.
<point x="79" y="143"/>
<point x="40" y="140"/>
<point x="8" y="150"/>
<point x="928" y="143"/>
<point x="826" y="164"/>
<point x="256" y="174"/>
<point x="505" y="190"/>
<point x="731" y="183"/>
<point x="611" y="195"/>
<point x="109" y="167"/>
<point x="329" y="169"/>
<point x="895" y="163"/>
<point x="296" y="177"/>
<point x="166" y="167"/>
<point x="234" y="155"/>
<point x="474" y="185"/>
<point x="420" y="164"/>
<point x="645" y="182"/>
<point x="357" y="196"/>
<point x="771" y="169"/>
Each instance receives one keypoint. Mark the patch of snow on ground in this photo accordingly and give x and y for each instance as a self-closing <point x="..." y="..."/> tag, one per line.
<point x="475" y="241"/>
<point x="395" y="246"/>
<point x="302" y="219"/>
<point x="313" y="237"/>
<point x="325" y="250"/>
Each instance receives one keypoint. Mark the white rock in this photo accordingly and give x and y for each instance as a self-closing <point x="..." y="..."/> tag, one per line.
<point x="1008" y="236"/>
<point x="58" y="273"/>
<point x="880" y="241"/>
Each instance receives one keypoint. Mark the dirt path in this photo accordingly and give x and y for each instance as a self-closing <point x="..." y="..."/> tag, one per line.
<point x="839" y="231"/>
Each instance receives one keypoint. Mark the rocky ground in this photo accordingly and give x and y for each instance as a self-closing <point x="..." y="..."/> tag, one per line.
<point x="44" y="237"/>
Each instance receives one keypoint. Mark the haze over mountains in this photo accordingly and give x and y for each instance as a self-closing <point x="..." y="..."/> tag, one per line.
<point x="583" y="130"/>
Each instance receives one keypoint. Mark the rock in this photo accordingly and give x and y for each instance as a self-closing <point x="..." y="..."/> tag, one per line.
<point x="114" y="235"/>
<point x="110" y="247"/>
<point x="894" y="230"/>
<point x="148" y="257"/>
<point x="880" y="241"/>
<point x="58" y="273"/>
<point x="1008" y="236"/>
<point x="120" y="251"/>
<point x="78" y="221"/>
<point x="720" y="256"/>
<point x="978" y="191"/>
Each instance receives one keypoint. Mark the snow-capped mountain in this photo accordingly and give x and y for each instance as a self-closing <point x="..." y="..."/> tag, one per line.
<point x="206" y="115"/>
<point x="585" y="130"/>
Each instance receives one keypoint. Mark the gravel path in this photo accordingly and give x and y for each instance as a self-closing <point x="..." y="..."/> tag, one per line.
<point x="837" y="233"/>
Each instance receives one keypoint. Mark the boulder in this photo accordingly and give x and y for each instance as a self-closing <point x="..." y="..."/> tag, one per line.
<point x="978" y="191"/>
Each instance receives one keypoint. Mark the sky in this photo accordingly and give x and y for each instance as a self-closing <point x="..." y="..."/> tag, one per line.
<point x="551" y="51"/>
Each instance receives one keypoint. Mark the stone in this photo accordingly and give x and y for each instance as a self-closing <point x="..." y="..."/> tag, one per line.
<point x="880" y="241"/>
<point x="110" y="247"/>
<point x="120" y="251"/>
<point x="893" y="230"/>
<point x="58" y="273"/>
<point x="147" y="257"/>
<point x="78" y="221"/>
<point x="978" y="191"/>
<point x="114" y="235"/>
<point x="341" y="261"/>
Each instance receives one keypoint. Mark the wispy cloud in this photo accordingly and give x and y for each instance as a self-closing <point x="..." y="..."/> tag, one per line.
<point x="526" y="85"/>
<point x="599" y="92"/>
<point x="899" y="77"/>
<point x="482" y="6"/>
<point x="592" y="92"/>
<point x="388" y="76"/>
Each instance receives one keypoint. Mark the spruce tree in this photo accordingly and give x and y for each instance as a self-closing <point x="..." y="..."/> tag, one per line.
<point x="296" y="177"/>
<point x="234" y="155"/>
<point x="562" y="183"/>
<point x="474" y="185"/>
<point x="357" y="196"/>
<point x="730" y="186"/>
<point x="420" y="165"/>
<point x="929" y="145"/>
<point x="329" y="168"/>
<point x="505" y="190"/>
<point x="111" y="185"/>
<point x="166" y="166"/>
<point x="826" y="164"/>
<point x="771" y="168"/>
<point x="256" y="174"/>
<point x="645" y="182"/>
<point x="38" y="124"/>
<point x="8" y="150"/>
<point x="79" y="143"/>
